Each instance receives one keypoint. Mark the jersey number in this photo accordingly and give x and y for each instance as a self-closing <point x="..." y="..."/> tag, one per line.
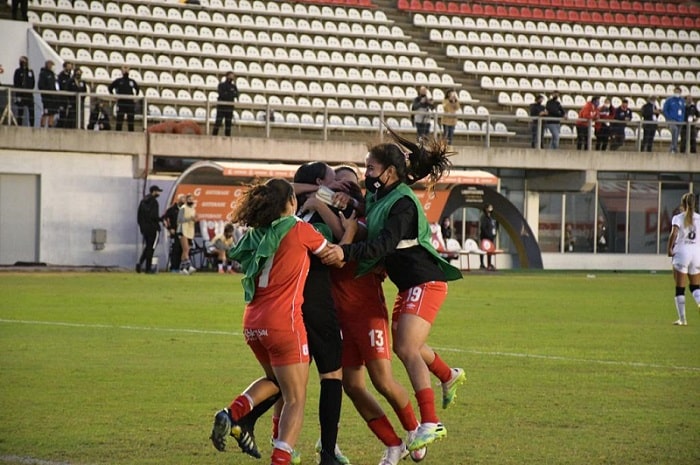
<point x="414" y="294"/>
<point x="691" y="235"/>
<point x="264" y="279"/>
<point x="376" y="338"/>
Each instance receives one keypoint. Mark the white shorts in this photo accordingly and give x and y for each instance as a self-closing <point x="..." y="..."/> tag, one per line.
<point x="686" y="261"/>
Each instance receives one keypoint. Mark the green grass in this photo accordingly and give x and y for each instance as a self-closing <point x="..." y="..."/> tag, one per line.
<point x="562" y="369"/>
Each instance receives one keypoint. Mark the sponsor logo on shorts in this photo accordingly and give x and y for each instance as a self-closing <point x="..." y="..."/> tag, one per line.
<point x="252" y="334"/>
<point x="305" y="349"/>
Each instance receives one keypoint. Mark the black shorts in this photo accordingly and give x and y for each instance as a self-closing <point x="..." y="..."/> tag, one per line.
<point x="321" y="322"/>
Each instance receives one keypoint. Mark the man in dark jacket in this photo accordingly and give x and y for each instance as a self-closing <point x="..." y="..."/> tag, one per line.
<point x="24" y="79"/>
<point x="148" y="219"/>
<point x="228" y="92"/>
<point x="169" y="218"/>
<point x="125" y="107"/>
<point x="650" y="113"/>
<point x="691" y="117"/>
<point x="99" y="117"/>
<point x="20" y="6"/>
<point x="488" y="228"/>
<point x="51" y="103"/>
<point x="554" y="110"/>
<point x="65" y="83"/>
<point x="537" y="110"/>
<point x="623" y="115"/>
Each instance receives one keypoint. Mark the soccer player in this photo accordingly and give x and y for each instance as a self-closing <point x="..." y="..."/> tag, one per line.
<point x="399" y="235"/>
<point x="684" y="247"/>
<point x="363" y="319"/>
<point x="274" y="255"/>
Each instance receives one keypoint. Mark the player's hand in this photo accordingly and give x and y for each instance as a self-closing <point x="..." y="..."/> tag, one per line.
<point x="349" y="223"/>
<point x="341" y="200"/>
<point x="311" y="204"/>
<point x="332" y="255"/>
<point x="340" y="185"/>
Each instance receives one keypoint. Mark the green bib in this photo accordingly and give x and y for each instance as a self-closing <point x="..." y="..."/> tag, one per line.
<point x="377" y="214"/>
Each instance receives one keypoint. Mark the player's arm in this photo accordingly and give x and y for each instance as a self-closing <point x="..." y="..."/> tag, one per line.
<point x="672" y="240"/>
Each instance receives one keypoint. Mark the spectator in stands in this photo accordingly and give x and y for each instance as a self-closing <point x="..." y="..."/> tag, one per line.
<point x="674" y="112"/>
<point x="65" y="83"/>
<point x="126" y="107"/>
<point x="691" y="116"/>
<point x="421" y="107"/>
<point x="488" y="228"/>
<point x="80" y="87"/>
<point x="650" y="113"/>
<point x="186" y="218"/>
<point x="446" y="228"/>
<point x="99" y="118"/>
<point x="450" y="106"/>
<point x="169" y="218"/>
<point x="623" y="114"/>
<point x="554" y="110"/>
<point x="148" y="219"/>
<point x="220" y="245"/>
<point x="602" y="127"/>
<point x="228" y="92"/>
<point x="588" y="113"/>
<point x="24" y="79"/>
<point x="602" y="234"/>
<point x="51" y="103"/>
<point x="21" y="5"/>
<point x="537" y="110"/>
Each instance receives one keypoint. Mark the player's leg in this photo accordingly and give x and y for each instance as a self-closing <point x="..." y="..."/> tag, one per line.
<point x="681" y="278"/>
<point x="450" y="378"/>
<point x="694" y="279"/>
<point x="292" y="380"/>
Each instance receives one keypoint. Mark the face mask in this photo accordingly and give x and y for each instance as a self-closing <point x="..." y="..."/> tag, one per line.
<point x="677" y="94"/>
<point x="189" y="204"/>
<point x="373" y="183"/>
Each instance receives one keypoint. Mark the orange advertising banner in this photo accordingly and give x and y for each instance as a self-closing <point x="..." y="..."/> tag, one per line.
<point x="213" y="203"/>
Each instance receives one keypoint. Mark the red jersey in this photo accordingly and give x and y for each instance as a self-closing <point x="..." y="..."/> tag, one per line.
<point x="279" y="288"/>
<point x="357" y="297"/>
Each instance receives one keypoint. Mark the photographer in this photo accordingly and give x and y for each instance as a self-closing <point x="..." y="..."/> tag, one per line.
<point x="421" y="107"/>
<point x="450" y="106"/>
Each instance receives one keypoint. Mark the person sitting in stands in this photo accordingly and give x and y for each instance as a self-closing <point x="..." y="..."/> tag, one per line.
<point x="220" y="245"/>
<point x="99" y="118"/>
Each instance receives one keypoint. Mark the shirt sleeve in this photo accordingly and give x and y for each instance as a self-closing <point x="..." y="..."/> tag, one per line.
<point x="311" y="238"/>
<point x="402" y="223"/>
<point x="677" y="221"/>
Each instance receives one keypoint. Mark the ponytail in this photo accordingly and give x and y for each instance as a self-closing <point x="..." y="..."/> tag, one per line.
<point x="688" y="204"/>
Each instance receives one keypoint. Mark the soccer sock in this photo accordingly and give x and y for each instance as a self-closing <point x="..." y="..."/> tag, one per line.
<point x="329" y="403"/>
<point x="381" y="427"/>
<point x="240" y="406"/>
<point x="407" y="417"/>
<point x="220" y="265"/>
<point x="440" y="369"/>
<point x="279" y="456"/>
<point x="695" y="291"/>
<point x="260" y="409"/>
<point x="426" y="405"/>
<point x="680" y="303"/>
<point x="275" y="427"/>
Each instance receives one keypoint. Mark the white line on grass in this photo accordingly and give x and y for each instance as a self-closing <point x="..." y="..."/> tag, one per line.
<point x="29" y="460"/>
<point x="447" y="349"/>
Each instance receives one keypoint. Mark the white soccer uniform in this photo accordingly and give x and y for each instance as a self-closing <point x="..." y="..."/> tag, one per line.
<point x="686" y="251"/>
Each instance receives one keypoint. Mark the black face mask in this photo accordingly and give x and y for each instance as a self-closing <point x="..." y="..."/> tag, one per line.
<point x="373" y="183"/>
<point x="189" y="204"/>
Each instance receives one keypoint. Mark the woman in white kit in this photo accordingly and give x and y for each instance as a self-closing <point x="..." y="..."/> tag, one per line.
<point x="684" y="247"/>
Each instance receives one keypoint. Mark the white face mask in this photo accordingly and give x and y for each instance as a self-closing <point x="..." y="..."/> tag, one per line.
<point x="677" y="94"/>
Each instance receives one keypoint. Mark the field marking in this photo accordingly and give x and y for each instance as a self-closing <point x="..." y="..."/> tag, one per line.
<point x="446" y="349"/>
<point x="29" y="460"/>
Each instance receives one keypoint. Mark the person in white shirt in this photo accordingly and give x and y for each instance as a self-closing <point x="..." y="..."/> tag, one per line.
<point x="684" y="248"/>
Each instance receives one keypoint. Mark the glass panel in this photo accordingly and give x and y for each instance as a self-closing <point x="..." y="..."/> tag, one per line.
<point x="580" y="211"/>
<point x="612" y="211"/>
<point x="549" y="228"/>
<point x="513" y="191"/>
<point x="671" y="194"/>
<point x="644" y="198"/>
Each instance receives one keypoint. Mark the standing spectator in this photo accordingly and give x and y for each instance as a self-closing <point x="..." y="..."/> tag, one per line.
<point x="149" y="223"/>
<point x="602" y="127"/>
<point x="51" y="104"/>
<point x="228" y="92"/>
<point x="554" y="110"/>
<point x="24" y="79"/>
<point x="126" y="107"/>
<point x="602" y="234"/>
<point x="65" y="83"/>
<point x="674" y="112"/>
<point x="691" y="116"/>
<point x="169" y="218"/>
<point x="421" y="107"/>
<point x="623" y="114"/>
<point x="450" y="106"/>
<point x="99" y="118"/>
<point x="20" y="5"/>
<point x="537" y="110"/>
<point x="588" y="113"/>
<point x="488" y="228"/>
<point x="80" y="87"/>
<point x="650" y="113"/>
<point x="446" y="228"/>
<point x="185" y="228"/>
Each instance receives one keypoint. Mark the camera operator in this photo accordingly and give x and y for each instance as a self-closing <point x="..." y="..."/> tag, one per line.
<point x="421" y="107"/>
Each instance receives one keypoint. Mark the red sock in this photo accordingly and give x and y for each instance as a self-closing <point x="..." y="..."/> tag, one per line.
<point x="381" y="427"/>
<point x="275" y="427"/>
<point x="240" y="407"/>
<point x="440" y="369"/>
<point x="407" y="417"/>
<point x="280" y="457"/>
<point x="426" y="405"/>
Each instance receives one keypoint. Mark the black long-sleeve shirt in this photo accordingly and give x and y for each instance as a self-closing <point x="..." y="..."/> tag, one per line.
<point x="24" y="79"/>
<point x="124" y="86"/>
<point x="228" y="92"/>
<point x="406" y="267"/>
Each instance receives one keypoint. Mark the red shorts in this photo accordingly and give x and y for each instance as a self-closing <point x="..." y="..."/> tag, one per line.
<point x="423" y="300"/>
<point x="366" y="338"/>
<point x="276" y="347"/>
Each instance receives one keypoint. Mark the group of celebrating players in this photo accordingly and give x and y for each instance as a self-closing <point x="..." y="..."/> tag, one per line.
<point x="314" y="259"/>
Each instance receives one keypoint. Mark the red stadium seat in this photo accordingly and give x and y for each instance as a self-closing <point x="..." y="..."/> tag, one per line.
<point x="591" y="4"/>
<point x="625" y="5"/>
<point x="428" y="5"/>
<point x="513" y="12"/>
<point x="545" y="2"/>
<point x="694" y="10"/>
<point x="620" y="18"/>
<point x="568" y="3"/>
<point x="638" y="7"/>
<point x="677" y="22"/>
<point x="489" y="10"/>
<point x="537" y="13"/>
<point x="477" y="9"/>
<point x="585" y="17"/>
<point x="688" y="23"/>
<point x="659" y="8"/>
<point x="453" y="7"/>
<point x="632" y="19"/>
<point x="465" y="8"/>
<point x="501" y="11"/>
<point x="440" y="7"/>
<point x="697" y="22"/>
<point x="557" y="3"/>
<point x="683" y="9"/>
<point x="654" y="20"/>
<point x="365" y="3"/>
<point x="573" y="16"/>
<point x="581" y="4"/>
<point x="666" y="21"/>
<point x="596" y="17"/>
<point x="608" y="18"/>
<point x="614" y="5"/>
<point x="643" y="20"/>
<point x="648" y="7"/>
<point x="403" y="5"/>
<point x="550" y="14"/>
<point x="672" y="8"/>
<point x="416" y="5"/>
<point x="603" y="4"/>
<point x="525" y="12"/>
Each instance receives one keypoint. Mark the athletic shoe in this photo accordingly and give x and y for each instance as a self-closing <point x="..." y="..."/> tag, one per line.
<point x="192" y="269"/>
<point x="221" y="430"/>
<point x="183" y="271"/>
<point x="449" y="389"/>
<point x="418" y="454"/>
<point x="680" y="323"/>
<point x="325" y="458"/>
<point x="225" y="426"/>
<point x="343" y="460"/>
<point x="296" y="455"/>
<point x="427" y="433"/>
<point x="394" y="454"/>
<point x="138" y="268"/>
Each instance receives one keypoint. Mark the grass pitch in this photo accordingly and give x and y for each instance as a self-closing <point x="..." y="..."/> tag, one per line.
<point x="117" y="368"/>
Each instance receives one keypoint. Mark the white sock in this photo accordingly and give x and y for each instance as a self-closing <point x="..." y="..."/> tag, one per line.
<point x="680" y="307"/>
<point x="281" y="445"/>
<point x="696" y="296"/>
<point x="221" y="267"/>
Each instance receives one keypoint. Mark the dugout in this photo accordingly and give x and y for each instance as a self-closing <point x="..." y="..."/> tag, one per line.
<point x="217" y="186"/>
